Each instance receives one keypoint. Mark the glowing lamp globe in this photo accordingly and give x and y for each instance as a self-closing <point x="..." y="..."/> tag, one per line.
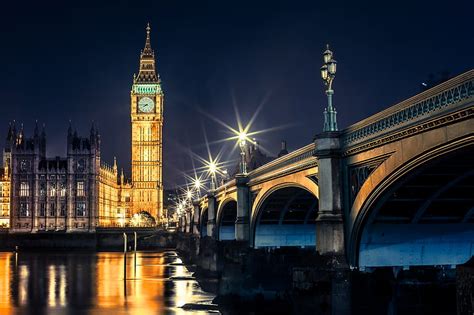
<point x="332" y="67"/>
<point x="324" y="72"/>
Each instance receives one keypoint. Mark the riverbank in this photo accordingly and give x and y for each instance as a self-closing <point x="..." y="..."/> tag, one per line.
<point x="105" y="239"/>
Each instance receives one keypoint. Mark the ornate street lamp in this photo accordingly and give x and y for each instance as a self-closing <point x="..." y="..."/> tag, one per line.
<point x="197" y="184"/>
<point x="328" y="73"/>
<point x="242" y="144"/>
<point x="212" y="167"/>
<point x="189" y="195"/>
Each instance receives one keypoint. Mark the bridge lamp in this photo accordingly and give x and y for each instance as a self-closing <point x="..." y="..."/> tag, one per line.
<point x="212" y="168"/>
<point x="242" y="143"/>
<point x="197" y="184"/>
<point x="189" y="194"/>
<point x="328" y="73"/>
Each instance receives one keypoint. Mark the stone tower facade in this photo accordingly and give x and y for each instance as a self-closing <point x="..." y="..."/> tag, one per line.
<point x="147" y="125"/>
<point x="53" y="194"/>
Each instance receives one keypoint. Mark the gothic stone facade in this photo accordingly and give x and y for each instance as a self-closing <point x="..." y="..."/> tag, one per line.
<point x="79" y="192"/>
<point x="54" y="194"/>
<point x="75" y="193"/>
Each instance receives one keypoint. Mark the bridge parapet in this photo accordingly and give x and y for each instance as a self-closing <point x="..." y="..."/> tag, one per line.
<point x="449" y="96"/>
<point x="297" y="160"/>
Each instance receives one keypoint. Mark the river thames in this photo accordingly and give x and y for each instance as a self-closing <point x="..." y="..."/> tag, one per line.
<point x="95" y="283"/>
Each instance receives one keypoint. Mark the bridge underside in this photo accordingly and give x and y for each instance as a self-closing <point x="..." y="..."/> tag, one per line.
<point x="426" y="218"/>
<point x="227" y="221"/>
<point x="287" y="218"/>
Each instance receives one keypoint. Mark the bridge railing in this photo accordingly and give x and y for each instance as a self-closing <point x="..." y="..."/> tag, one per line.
<point x="293" y="158"/>
<point x="226" y="185"/>
<point x="442" y="97"/>
<point x="284" y="161"/>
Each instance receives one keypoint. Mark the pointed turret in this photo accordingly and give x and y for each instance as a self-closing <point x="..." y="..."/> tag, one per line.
<point x="147" y="73"/>
<point x="36" y="132"/>
<point x="115" y="165"/>
<point x="93" y="137"/>
<point x="147" y="51"/>
<point x="43" y="141"/>
<point x="69" y="137"/>
<point x="10" y="137"/>
<point x="122" y="178"/>
<point x="14" y="130"/>
<point x="20" y="136"/>
<point x="43" y="132"/>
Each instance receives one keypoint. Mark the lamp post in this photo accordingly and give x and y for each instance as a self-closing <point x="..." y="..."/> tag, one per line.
<point x="197" y="186"/>
<point x="242" y="144"/>
<point x="328" y="73"/>
<point x="212" y="170"/>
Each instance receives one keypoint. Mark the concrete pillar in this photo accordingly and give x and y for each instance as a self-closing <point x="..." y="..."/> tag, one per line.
<point x="329" y="223"/>
<point x="188" y="221"/>
<point x="242" y="224"/>
<point x="196" y="214"/>
<point x="211" y="215"/>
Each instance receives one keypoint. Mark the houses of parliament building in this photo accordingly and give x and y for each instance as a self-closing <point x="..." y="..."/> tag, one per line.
<point x="79" y="192"/>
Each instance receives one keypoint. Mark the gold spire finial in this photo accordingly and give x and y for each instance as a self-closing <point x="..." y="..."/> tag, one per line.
<point x="147" y="51"/>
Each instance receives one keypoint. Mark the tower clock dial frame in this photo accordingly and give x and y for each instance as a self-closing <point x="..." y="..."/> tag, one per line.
<point x="146" y="105"/>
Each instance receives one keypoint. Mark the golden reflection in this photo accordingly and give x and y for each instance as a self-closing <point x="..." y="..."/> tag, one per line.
<point x="23" y="284"/>
<point x="62" y="285"/>
<point x="51" y="286"/>
<point x="139" y="291"/>
<point x="5" y="278"/>
<point x="59" y="282"/>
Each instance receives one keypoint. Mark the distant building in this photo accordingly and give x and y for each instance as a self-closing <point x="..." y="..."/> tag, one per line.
<point x="79" y="192"/>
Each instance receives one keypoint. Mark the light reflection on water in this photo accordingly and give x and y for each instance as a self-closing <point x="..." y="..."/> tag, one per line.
<point x="95" y="283"/>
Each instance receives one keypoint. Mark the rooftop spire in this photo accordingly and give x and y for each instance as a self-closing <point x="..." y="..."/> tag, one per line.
<point x="36" y="132"/>
<point x="147" y="50"/>
<point x="147" y="73"/>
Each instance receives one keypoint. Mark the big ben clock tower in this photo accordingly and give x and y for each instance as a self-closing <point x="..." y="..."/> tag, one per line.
<point x="147" y="124"/>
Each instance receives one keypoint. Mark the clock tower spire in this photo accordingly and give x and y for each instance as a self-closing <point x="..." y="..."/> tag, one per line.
<point x="147" y="124"/>
<point x="147" y="72"/>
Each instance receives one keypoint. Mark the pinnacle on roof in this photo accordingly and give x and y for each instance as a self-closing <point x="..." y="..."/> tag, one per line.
<point x="147" y="72"/>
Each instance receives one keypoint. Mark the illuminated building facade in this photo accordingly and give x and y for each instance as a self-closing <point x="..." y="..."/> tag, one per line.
<point x="5" y="177"/>
<point x="147" y="124"/>
<point x="80" y="192"/>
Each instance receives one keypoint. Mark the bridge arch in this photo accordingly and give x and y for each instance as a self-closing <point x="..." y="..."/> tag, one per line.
<point x="422" y="213"/>
<point x="203" y="222"/>
<point x="226" y="217"/>
<point x="285" y="216"/>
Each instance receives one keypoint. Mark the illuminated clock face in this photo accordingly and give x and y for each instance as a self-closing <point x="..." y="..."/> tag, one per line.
<point x="146" y="105"/>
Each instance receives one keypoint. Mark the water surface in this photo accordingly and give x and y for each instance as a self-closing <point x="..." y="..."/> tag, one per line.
<point x="97" y="283"/>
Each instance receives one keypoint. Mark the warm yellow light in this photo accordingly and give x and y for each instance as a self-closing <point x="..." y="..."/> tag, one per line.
<point x="197" y="184"/>
<point x="212" y="167"/>
<point x="242" y="136"/>
<point x="189" y="194"/>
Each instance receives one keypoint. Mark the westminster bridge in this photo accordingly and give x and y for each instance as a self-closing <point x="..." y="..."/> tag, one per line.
<point x="392" y="190"/>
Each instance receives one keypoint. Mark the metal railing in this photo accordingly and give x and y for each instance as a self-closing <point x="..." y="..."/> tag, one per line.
<point x="285" y="160"/>
<point x="426" y="103"/>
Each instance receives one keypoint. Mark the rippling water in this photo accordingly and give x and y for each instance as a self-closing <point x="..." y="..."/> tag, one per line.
<point x="95" y="283"/>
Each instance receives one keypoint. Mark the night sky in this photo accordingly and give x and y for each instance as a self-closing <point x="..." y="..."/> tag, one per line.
<point x="74" y="60"/>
